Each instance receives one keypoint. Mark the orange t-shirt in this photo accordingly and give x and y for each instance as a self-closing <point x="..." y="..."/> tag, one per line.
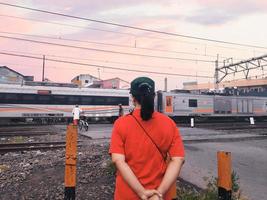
<point x="129" y="139"/>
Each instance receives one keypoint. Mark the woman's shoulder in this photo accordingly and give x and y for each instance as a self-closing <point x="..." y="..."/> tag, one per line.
<point x="122" y="120"/>
<point x="161" y="117"/>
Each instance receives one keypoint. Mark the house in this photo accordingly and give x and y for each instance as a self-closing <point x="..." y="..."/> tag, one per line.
<point x="115" y="83"/>
<point x="8" y="75"/>
<point x="84" y="80"/>
<point x="87" y="80"/>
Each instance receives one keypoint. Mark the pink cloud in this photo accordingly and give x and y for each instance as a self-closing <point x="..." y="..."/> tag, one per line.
<point x="212" y="12"/>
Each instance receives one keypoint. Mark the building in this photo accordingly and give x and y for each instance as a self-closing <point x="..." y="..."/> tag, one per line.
<point x="84" y="80"/>
<point x="87" y="80"/>
<point x="244" y="87"/>
<point x="115" y="83"/>
<point x="10" y="76"/>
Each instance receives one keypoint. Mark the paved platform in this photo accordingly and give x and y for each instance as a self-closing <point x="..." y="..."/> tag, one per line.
<point x="248" y="147"/>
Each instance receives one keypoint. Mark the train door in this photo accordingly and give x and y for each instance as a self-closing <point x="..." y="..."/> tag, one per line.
<point x="169" y="104"/>
<point x="244" y="106"/>
<point x="159" y="102"/>
<point x="222" y="105"/>
<point x="239" y="106"/>
<point x="250" y="106"/>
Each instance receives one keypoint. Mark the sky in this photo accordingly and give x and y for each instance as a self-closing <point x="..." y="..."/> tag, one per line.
<point x="239" y="21"/>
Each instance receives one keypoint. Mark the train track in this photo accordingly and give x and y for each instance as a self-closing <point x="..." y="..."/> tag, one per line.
<point x="14" y="147"/>
<point x="25" y="133"/>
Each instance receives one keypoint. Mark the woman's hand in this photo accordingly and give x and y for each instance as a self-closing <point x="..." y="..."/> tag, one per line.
<point x="155" y="197"/>
<point x="147" y="194"/>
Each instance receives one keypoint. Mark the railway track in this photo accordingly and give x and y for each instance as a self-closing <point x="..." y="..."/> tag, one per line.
<point x="14" y="147"/>
<point x="25" y="133"/>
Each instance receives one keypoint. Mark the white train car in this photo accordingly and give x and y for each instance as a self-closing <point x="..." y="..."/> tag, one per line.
<point x="17" y="102"/>
<point x="187" y="104"/>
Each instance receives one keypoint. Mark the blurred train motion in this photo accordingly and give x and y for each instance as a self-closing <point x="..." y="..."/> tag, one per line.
<point x="45" y="104"/>
<point x="54" y="104"/>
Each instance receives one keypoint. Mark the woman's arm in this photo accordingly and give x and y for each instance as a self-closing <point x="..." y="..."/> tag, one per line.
<point x="130" y="178"/>
<point x="171" y="174"/>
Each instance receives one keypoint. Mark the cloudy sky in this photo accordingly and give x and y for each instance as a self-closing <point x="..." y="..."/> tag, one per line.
<point x="87" y="42"/>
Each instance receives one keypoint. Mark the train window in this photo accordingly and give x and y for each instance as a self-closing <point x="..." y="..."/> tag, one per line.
<point x="28" y="98"/>
<point x="100" y="100"/>
<point x="114" y="100"/>
<point x="44" y="99"/>
<point x="73" y="100"/>
<point x="60" y="99"/>
<point x="11" y="97"/>
<point x="117" y="100"/>
<point x="192" y="103"/>
<point x="86" y="100"/>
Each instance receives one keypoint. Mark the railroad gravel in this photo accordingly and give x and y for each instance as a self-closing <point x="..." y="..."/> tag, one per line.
<point x="40" y="175"/>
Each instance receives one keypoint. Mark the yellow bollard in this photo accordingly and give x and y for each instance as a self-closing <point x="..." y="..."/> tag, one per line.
<point x="224" y="175"/>
<point x="71" y="159"/>
<point x="173" y="191"/>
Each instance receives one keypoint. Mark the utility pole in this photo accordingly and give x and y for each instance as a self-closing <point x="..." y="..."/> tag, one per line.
<point x="43" y="68"/>
<point x="98" y="73"/>
<point x="244" y="66"/>
<point x="165" y="84"/>
<point x="216" y="75"/>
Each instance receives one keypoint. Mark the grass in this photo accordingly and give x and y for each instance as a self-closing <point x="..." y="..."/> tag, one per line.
<point x="211" y="191"/>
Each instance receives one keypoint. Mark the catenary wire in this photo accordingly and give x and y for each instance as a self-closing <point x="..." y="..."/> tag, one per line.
<point x="101" y="66"/>
<point x="131" y="27"/>
<point x="106" y="51"/>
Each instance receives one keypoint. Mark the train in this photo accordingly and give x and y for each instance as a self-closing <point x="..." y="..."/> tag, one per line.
<point x="202" y="106"/>
<point x="41" y="104"/>
<point x="53" y="103"/>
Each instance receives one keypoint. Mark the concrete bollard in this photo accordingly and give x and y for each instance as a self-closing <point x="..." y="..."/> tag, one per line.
<point x="71" y="159"/>
<point x="252" y="122"/>
<point x="192" y="122"/>
<point x="224" y="175"/>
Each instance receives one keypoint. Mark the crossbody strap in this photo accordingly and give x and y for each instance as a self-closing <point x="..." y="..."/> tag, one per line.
<point x="163" y="156"/>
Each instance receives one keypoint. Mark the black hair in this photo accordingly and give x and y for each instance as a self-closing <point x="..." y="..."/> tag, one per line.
<point x="145" y="98"/>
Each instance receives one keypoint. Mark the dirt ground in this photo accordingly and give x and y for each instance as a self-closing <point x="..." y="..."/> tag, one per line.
<point x="40" y="175"/>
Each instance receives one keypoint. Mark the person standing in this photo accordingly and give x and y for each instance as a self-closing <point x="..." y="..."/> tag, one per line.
<point x="76" y="111"/>
<point x="120" y="110"/>
<point x="140" y="144"/>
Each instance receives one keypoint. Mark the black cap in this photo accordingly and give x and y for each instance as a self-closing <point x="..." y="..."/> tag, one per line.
<point x="142" y="85"/>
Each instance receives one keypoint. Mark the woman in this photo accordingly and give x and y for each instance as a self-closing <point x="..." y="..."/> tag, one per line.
<point x="139" y="146"/>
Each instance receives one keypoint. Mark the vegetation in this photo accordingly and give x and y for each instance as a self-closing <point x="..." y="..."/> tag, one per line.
<point x="211" y="192"/>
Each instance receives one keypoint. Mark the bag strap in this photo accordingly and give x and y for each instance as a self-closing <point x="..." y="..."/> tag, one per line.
<point x="164" y="157"/>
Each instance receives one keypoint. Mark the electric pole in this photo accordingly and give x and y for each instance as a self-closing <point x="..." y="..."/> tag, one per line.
<point x="216" y="75"/>
<point x="43" y="68"/>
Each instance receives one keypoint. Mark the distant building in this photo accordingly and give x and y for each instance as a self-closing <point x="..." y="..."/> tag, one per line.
<point x="247" y="86"/>
<point x="115" y="83"/>
<point x="87" y="80"/>
<point x="11" y="76"/>
<point x="84" y="80"/>
<point x="50" y="84"/>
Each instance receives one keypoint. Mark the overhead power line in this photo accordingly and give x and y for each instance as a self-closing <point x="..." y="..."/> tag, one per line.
<point x="106" y="51"/>
<point x="106" y="44"/>
<point x="102" y="30"/>
<point x="102" y="61"/>
<point x="132" y="35"/>
<point x="131" y="27"/>
<point x="101" y="66"/>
